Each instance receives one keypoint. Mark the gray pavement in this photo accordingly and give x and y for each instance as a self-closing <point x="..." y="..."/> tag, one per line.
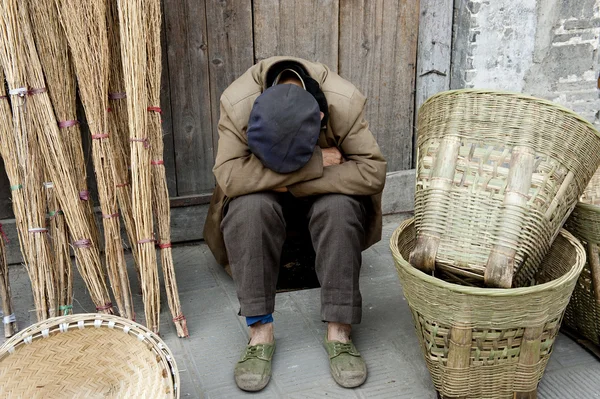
<point x="386" y="337"/>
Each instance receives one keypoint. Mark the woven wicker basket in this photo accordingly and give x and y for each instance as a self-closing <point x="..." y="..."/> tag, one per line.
<point x="488" y="342"/>
<point x="583" y="313"/>
<point x="87" y="356"/>
<point x="497" y="176"/>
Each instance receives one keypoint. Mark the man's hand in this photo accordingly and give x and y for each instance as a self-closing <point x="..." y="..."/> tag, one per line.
<point x="331" y="156"/>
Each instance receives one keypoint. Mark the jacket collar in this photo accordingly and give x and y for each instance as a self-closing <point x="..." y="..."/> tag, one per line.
<point x="316" y="71"/>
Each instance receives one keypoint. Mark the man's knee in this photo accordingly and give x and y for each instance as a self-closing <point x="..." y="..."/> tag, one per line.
<point x="334" y="205"/>
<point x="254" y="208"/>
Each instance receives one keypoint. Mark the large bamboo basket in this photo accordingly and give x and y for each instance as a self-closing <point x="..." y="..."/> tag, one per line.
<point x="488" y="342"/>
<point x="583" y="313"/>
<point x="497" y="176"/>
<point x="87" y="356"/>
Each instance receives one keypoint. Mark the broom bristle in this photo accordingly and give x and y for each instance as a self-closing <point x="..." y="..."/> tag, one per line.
<point x="84" y="23"/>
<point x="54" y="55"/>
<point x="119" y="126"/>
<point x="56" y="154"/>
<point x="39" y="256"/>
<point x="133" y="53"/>
<point x="59" y="236"/>
<point x="8" y="151"/>
<point x="160" y="196"/>
<point x="10" y="326"/>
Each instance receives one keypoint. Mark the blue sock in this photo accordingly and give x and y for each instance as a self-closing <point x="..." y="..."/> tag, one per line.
<point x="264" y="319"/>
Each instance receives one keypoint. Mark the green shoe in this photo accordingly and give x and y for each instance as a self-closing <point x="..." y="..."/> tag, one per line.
<point x="347" y="366"/>
<point x="253" y="371"/>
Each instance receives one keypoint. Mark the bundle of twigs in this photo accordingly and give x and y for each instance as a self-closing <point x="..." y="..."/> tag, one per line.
<point x="55" y="151"/>
<point x="29" y="160"/>
<point x="53" y="52"/>
<point x="59" y="234"/>
<point x="160" y="195"/>
<point x="119" y="125"/>
<point x="133" y="52"/>
<point x="7" y="147"/>
<point x="11" y="166"/>
<point x="84" y="23"/>
<point x="8" y="317"/>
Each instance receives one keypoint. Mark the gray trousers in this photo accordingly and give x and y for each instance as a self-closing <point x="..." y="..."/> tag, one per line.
<point x="254" y="230"/>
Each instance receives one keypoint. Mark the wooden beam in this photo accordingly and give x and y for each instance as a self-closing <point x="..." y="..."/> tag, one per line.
<point x="190" y="200"/>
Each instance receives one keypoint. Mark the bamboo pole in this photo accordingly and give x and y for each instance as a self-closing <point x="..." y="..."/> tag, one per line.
<point x="530" y="355"/>
<point x="84" y="23"/>
<point x="442" y="176"/>
<point x="459" y="351"/>
<point x="160" y="195"/>
<point x="501" y="262"/>
<point x="28" y="152"/>
<point x="57" y="157"/>
<point x="134" y="56"/>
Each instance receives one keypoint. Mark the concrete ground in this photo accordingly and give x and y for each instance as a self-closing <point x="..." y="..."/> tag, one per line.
<point x="386" y="336"/>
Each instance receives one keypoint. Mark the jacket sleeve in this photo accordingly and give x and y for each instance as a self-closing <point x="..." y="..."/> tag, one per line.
<point x="239" y="172"/>
<point x="363" y="172"/>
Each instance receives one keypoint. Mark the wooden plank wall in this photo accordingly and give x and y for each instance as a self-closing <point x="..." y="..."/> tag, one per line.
<point x="378" y="48"/>
<point x="230" y="48"/>
<point x="208" y="43"/>
<point x="435" y="46"/>
<point x="305" y="29"/>
<point x="187" y="60"/>
<point x="434" y="52"/>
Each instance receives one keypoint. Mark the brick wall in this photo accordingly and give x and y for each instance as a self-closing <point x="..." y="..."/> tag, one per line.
<point x="546" y="48"/>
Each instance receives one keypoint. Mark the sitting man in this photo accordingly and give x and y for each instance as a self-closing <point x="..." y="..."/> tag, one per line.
<point x="292" y="133"/>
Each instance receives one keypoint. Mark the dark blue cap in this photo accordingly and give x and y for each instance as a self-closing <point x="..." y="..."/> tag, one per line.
<point x="284" y="127"/>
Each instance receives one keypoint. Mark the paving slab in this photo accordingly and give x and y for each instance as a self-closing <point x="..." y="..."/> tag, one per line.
<point x="386" y="337"/>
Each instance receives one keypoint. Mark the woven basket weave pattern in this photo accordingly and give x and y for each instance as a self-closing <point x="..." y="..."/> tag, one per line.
<point x="591" y="195"/>
<point x="472" y="217"/>
<point x="497" y="318"/>
<point x="583" y="312"/>
<point x="87" y="356"/>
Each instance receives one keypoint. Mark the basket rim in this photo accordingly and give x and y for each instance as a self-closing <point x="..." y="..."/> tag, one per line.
<point x="516" y="95"/>
<point x="134" y="330"/>
<point x="572" y="274"/>
<point x="588" y="207"/>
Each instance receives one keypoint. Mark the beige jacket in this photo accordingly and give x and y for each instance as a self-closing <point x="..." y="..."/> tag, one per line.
<point x="239" y="172"/>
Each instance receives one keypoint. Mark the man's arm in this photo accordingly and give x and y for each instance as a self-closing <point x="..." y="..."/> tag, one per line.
<point x="363" y="171"/>
<point x="239" y="172"/>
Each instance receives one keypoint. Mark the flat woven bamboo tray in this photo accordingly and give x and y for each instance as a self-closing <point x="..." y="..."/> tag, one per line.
<point x="497" y="176"/>
<point x="488" y="342"/>
<point x="87" y="356"/>
<point x="583" y="313"/>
